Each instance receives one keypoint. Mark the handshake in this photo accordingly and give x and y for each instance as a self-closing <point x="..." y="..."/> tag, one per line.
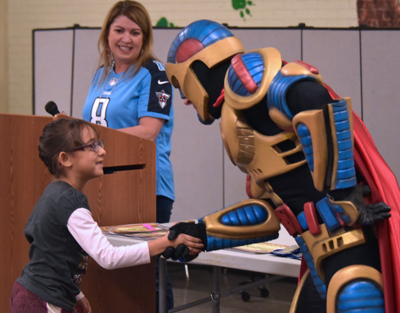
<point x="182" y="252"/>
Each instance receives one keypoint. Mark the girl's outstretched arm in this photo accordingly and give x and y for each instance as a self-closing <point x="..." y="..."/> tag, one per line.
<point x="158" y="246"/>
<point x="90" y="237"/>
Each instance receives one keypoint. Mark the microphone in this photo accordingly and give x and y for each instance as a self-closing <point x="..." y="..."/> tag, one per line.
<point x="51" y="108"/>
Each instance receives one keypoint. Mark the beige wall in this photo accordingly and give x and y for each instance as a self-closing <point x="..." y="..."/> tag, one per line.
<point x="22" y="16"/>
<point x="3" y="57"/>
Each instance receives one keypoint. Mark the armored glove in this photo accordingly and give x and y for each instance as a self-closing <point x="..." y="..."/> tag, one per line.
<point x="367" y="213"/>
<point x="182" y="252"/>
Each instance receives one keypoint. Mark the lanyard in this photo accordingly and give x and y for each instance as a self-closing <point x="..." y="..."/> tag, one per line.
<point x="112" y="82"/>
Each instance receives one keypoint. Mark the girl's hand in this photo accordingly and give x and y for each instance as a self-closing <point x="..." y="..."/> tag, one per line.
<point x="185" y="247"/>
<point x="82" y="306"/>
<point x="191" y="245"/>
<point x="194" y="244"/>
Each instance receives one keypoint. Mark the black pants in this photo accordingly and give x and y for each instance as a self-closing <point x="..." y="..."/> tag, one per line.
<point x="164" y="209"/>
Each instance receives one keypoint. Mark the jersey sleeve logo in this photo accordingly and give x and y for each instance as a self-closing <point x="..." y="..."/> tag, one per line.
<point x="162" y="98"/>
<point x="160" y="66"/>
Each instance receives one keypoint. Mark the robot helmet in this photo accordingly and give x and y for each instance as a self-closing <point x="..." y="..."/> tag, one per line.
<point x="204" y="44"/>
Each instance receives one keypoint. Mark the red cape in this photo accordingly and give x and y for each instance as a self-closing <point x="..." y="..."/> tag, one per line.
<point x="384" y="188"/>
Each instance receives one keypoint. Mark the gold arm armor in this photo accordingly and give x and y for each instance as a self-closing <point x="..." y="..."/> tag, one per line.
<point x="270" y="226"/>
<point x="325" y="153"/>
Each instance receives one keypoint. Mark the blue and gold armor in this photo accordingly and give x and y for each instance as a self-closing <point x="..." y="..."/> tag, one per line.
<point x="311" y="145"/>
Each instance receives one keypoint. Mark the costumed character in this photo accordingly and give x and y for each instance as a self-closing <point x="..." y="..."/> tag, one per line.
<point x="294" y="138"/>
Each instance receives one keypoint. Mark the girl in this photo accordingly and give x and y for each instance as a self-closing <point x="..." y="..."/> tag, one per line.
<point x="62" y="232"/>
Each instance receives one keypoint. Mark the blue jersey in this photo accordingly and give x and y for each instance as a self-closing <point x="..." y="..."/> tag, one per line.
<point x="123" y="99"/>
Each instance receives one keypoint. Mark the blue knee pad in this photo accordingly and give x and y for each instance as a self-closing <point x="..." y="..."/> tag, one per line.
<point x="360" y="296"/>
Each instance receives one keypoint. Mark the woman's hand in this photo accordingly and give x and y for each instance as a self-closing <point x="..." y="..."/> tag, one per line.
<point x="148" y="128"/>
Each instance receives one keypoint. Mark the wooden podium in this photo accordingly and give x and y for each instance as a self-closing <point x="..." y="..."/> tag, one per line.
<point x="125" y="194"/>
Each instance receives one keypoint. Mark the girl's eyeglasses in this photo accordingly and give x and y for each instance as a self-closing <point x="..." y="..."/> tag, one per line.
<point x="94" y="145"/>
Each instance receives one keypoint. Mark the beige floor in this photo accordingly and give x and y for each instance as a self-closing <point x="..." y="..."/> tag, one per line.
<point x="200" y="286"/>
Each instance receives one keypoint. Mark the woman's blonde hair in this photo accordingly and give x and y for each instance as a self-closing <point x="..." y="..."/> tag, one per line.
<point x="137" y="13"/>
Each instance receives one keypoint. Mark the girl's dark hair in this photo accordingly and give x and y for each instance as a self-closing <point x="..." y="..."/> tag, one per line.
<point x="61" y="135"/>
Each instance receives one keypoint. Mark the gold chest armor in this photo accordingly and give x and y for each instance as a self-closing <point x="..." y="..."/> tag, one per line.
<point x="254" y="153"/>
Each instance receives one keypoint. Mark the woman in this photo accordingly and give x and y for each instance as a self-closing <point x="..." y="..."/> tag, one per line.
<point x="131" y="92"/>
